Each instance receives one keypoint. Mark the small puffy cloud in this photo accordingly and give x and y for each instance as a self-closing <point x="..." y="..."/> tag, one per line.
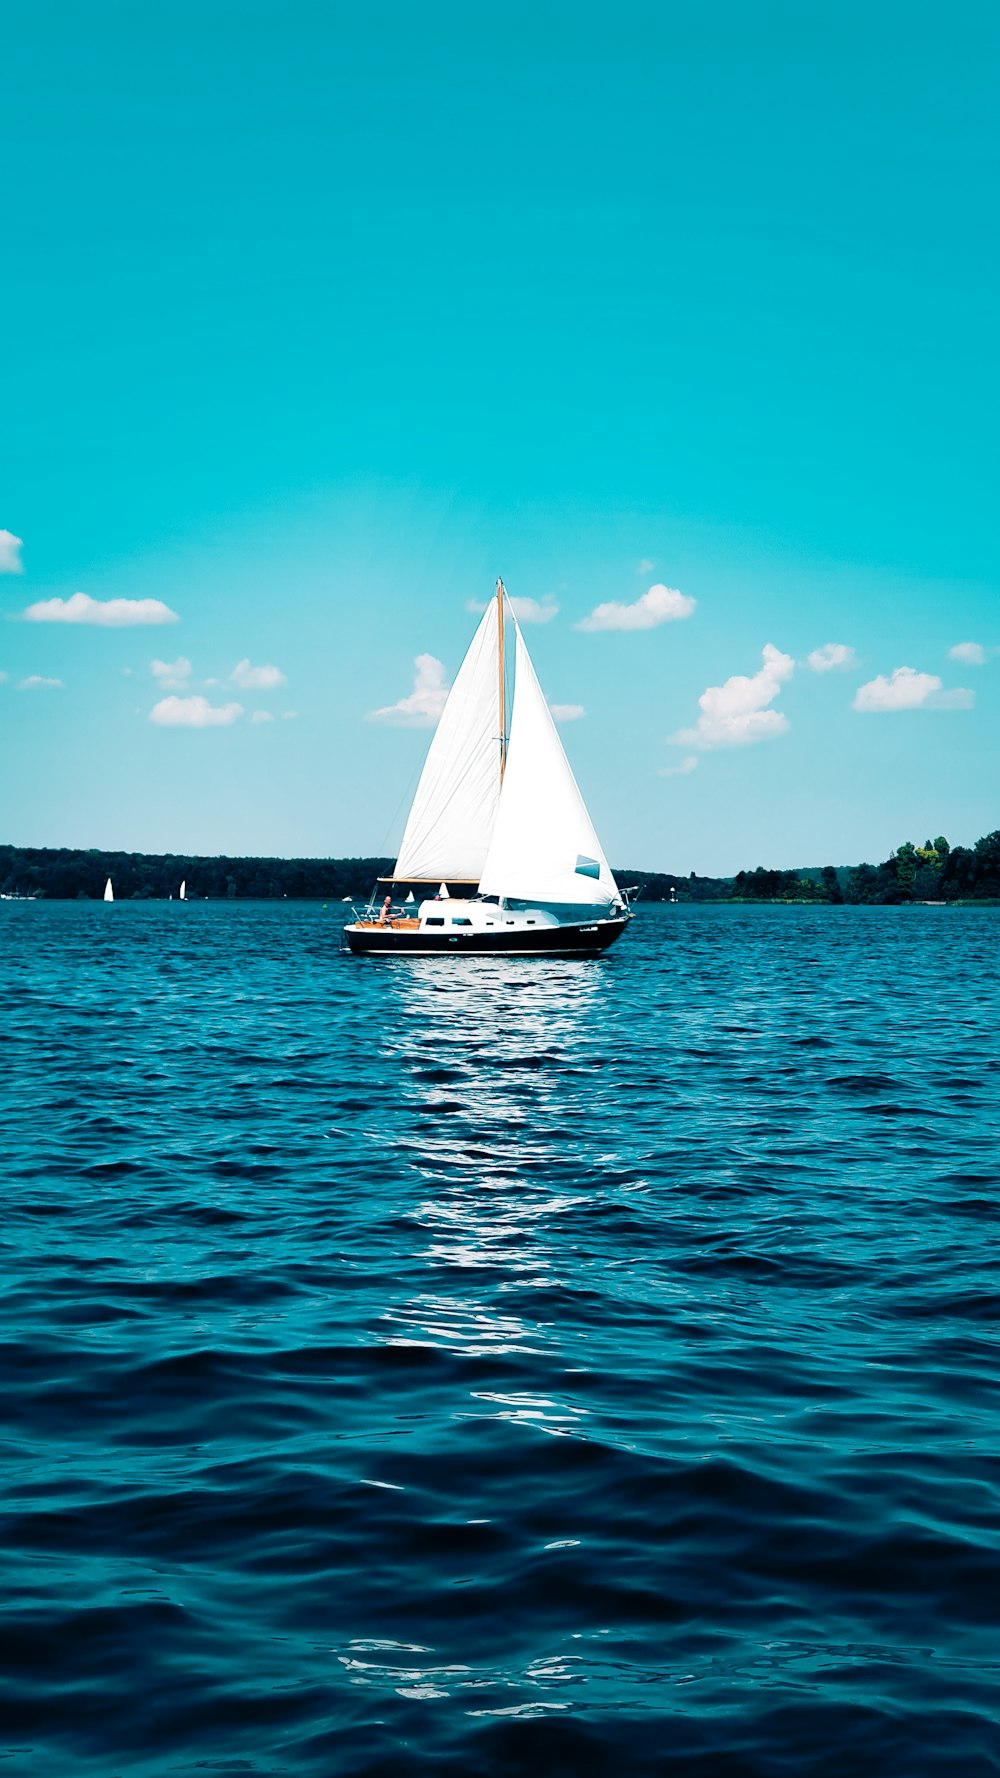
<point x="289" y="716"/>
<point x="903" y="689"/>
<point x="646" y="566"/>
<point x="534" y="611"/>
<point x="527" y="611"/>
<point x="35" y="682"/>
<point x="10" y="553"/>
<point x="256" y="678"/>
<point x="262" y="716"/>
<point x="658" y="605"/>
<point x="567" y="712"/>
<point x="193" y="712"/>
<point x="108" y="613"/>
<point x="971" y="654"/>
<point x="684" y="770"/>
<point x="424" y="704"/>
<point x="831" y="656"/>
<point x="736" y="714"/>
<point x="171" y="674"/>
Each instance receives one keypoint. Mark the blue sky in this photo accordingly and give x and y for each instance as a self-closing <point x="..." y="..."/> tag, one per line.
<point x="318" y="317"/>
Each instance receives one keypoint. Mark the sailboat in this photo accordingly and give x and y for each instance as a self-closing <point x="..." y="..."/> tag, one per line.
<point x="109" y="894"/>
<point x="182" y="895"/>
<point x="499" y="853"/>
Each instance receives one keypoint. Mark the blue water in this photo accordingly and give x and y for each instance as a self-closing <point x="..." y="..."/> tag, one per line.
<point x="480" y="1367"/>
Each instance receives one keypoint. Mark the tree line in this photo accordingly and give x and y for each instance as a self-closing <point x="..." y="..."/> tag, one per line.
<point x="934" y="871"/>
<point x="65" y="875"/>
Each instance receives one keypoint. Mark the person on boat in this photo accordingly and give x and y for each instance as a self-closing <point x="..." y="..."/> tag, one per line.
<point x="383" y="918"/>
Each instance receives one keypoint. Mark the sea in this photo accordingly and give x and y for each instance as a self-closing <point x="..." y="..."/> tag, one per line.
<point x="467" y="1368"/>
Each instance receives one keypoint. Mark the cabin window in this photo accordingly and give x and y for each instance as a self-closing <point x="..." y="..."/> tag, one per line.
<point x="434" y="922"/>
<point x="460" y="920"/>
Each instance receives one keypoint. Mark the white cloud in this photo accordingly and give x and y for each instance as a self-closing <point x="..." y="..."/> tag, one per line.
<point x="171" y="674"/>
<point x="256" y="678"/>
<point x="904" y="689"/>
<point x="831" y="655"/>
<point x="533" y="611"/>
<point x="109" y="613"/>
<point x="10" y="553"/>
<point x="658" y="605"/>
<point x="646" y="566"/>
<point x="688" y="765"/>
<point x="959" y="699"/>
<point x="193" y="712"/>
<point x="567" y="712"/>
<point x="289" y="716"/>
<point x="527" y="611"/>
<point x="736" y="714"/>
<point x="424" y="704"/>
<point x="971" y="654"/>
<point x="35" y="682"/>
<point x="262" y="716"/>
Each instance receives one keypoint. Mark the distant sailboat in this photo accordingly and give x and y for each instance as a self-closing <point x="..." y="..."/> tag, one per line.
<point x="109" y="894"/>
<point x="183" y="891"/>
<point x="499" y="824"/>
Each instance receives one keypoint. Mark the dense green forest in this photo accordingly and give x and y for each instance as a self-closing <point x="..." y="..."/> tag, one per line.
<point x="67" y="876"/>
<point x="932" y="872"/>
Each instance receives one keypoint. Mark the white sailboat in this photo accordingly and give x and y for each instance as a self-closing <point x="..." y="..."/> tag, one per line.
<point x="109" y="894"/>
<point x="497" y="826"/>
<point x="182" y="894"/>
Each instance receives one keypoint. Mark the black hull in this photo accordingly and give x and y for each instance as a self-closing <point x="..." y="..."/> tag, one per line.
<point x="551" y="941"/>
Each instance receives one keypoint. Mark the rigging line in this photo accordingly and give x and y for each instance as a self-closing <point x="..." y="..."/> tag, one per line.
<point x="502" y="690"/>
<point x="407" y="793"/>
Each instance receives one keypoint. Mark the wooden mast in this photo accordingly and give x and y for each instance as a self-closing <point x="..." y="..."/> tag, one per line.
<point x="502" y="688"/>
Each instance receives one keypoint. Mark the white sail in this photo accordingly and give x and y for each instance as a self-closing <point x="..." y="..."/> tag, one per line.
<point x="183" y="891"/>
<point x="544" y="848"/>
<point x="109" y="894"/>
<point x="454" y="810"/>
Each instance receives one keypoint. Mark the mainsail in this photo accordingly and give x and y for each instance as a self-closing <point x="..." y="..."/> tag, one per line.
<point x="544" y="848"/>
<point x="453" y="814"/>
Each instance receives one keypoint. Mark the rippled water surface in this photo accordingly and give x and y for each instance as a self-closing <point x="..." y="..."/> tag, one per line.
<point x="456" y="1366"/>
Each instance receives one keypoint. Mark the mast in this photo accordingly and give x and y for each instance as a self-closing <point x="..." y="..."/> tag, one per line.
<point x="502" y="687"/>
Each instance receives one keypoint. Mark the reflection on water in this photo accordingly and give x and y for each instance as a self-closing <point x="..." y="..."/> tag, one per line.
<point x="480" y="1046"/>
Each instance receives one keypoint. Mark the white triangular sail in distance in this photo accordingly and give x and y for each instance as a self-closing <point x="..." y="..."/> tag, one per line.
<point x="183" y="891"/>
<point x="451" y="822"/>
<point x="109" y="894"/>
<point x="544" y="848"/>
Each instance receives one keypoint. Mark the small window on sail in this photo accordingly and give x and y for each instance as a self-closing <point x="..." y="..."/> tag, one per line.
<point x="587" y="867"/>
